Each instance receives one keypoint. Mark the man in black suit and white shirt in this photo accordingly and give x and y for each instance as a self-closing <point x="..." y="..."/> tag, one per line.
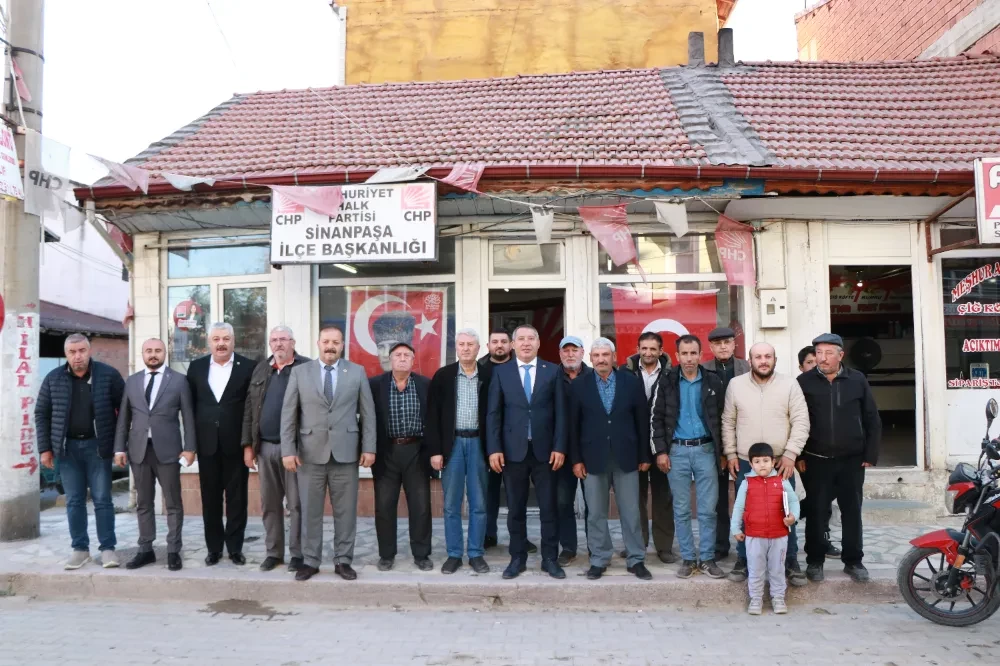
<point x="219" y="384"/>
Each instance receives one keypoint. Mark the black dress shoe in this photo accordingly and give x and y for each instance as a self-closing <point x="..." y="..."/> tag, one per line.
<point x="490" y="542"/>
<point x="385" y="563"/>
<point x="552" y="568"/>
<point x="479" y="565"/>
<point x="566" y="557"/>
<point x="593" y="573"/>
<point x="269" y="563"/>
<point x="424" y="563"/>
<point x="141" y="560"/>
<point x="640" y="571"/>
<point x="532" y="548"/>
<point x="451" y="565"/>
<point x="295" y="564"/>
<point x="213" y="559"/>
<point x="306" y="572"/>
<point x="667" y="557"/>
<point x="237" y="558"/>
<point x="345" y="571"/>
<point x="514" y="569"/>
<point x="832" y="551"/>
<point x="174" y="562"/>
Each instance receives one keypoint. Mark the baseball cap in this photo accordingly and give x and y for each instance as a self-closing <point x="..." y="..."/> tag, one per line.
<point x="571" y="340"/>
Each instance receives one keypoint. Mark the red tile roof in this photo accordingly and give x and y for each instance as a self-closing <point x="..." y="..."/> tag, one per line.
<point x="925" y="116"/>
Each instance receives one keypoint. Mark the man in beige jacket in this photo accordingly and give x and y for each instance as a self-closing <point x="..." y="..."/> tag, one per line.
<point x="764" y="406"/>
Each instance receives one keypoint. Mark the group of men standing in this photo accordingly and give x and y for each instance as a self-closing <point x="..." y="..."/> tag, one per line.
<point x="510" y="420"/>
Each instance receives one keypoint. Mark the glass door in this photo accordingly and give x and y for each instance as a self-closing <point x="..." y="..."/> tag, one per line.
<point x="245" y="308"/>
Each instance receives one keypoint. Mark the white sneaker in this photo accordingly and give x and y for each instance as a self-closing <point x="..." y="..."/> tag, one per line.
<point x="778" y="606"/>
<point x="756" y="606"/>
<point x="78" y="559"/>
<point x="109" y="559"/>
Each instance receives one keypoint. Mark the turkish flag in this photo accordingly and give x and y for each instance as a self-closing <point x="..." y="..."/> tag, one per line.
<point x="638" y="308"/>
<point x="379" y="317"/>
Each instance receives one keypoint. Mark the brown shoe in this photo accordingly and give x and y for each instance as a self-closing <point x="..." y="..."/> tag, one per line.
<point x="345" y="571"/>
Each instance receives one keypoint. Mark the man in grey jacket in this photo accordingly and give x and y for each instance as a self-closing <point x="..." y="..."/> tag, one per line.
<point x="327" y="429"/>
<point x="149" y="437"/>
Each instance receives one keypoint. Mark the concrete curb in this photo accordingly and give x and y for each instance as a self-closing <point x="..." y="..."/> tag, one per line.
<point x="426" y="591"/>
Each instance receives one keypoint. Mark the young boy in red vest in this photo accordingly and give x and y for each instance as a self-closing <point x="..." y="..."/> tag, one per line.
<point x="766" y="508"/>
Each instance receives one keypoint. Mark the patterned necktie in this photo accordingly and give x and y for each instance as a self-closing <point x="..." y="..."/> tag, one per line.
<point x="328" y="383"/>
<point x="149" y="389"/>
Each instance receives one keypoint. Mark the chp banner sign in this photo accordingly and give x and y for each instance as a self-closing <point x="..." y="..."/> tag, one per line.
<point x="988" y="199"/>
<point x="365" y="223"/>
<point x="10" y="174"/>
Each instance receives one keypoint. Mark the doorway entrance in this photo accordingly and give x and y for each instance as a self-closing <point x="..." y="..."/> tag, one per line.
<point x="542" y="308"/>
<point x="871" y="308"/>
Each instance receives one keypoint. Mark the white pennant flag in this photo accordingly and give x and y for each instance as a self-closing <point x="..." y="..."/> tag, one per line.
<point x="185" y="183"/>
<point x="47" y="186"/>
<point x="542" y="219"/>
<point x="674" y="215"/>
<point x="397" y="175"/>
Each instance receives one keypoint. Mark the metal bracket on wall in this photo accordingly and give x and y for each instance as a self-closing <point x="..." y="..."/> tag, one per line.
<point x="931" y="250"/>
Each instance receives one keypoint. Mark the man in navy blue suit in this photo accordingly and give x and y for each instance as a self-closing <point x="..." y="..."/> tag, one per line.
<point x="526" y="440"/>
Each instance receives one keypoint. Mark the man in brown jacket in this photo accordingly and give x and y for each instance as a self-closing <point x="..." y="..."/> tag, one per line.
<point x="262" y="449"/>
<point x="764" y="406"/>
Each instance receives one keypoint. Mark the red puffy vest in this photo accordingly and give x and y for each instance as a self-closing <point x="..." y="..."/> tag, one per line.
<point x="764" y="510"/>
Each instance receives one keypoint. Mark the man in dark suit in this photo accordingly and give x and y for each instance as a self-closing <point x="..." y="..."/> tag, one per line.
<point x="149" y="437"/>
<point x="526" y="440"/>
<point x="400" y="458"/>
<point x="219" y="384"/>
<point x="609" y="435"/>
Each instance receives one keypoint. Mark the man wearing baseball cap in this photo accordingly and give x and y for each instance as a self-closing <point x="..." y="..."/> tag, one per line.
<point x="571" y="360"/>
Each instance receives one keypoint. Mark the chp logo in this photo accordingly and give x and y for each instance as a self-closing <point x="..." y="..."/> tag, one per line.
<point x="988" y="199"/>
<point x="284" y="205"/>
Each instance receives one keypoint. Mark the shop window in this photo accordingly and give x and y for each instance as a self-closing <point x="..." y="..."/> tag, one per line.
<point x="189" y="316"/>
<point x="971" y="292"/>
<point x="691" y="253"/>
<point x="671" y="309"/>
<point x="525" y="259"/>
<point x="191" y="261"/>
<point x="445" y="265"/>
<point x="245" y="308"/>
<point x="374" y="318"/>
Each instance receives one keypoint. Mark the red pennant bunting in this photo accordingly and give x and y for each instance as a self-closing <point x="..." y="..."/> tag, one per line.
<point x="122" y="239"/>
<point x="465" y="176"/>
<point x="22" y="87"/>
<point x="735" y="244"/>
<point x="323" y="200"/>
<point x="609" y="225"/>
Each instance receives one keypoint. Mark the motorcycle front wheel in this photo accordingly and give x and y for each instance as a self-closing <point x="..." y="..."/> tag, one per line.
<point x="922" y="578"/>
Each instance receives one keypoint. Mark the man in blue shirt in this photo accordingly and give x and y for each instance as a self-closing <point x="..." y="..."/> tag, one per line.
<point x="686" y="433"/>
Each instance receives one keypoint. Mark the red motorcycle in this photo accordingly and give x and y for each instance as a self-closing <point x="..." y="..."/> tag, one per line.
<point x="950" y="576"/>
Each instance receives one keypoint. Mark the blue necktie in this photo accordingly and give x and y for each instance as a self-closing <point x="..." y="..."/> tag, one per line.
<point x="328" y="384"/>
<point x="527" y="394"/>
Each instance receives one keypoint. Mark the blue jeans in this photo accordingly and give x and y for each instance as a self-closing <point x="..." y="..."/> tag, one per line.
<point x="700" y="464"/>
<point x="465" y="475"/>
<point x="793" y="539"/>
<point x="82" y="468"/>
<point x="566" y="483"/>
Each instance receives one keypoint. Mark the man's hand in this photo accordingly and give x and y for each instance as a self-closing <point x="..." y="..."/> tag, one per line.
<point x="249" y="459"/>
<point x="47" y="460"/>
<point x="437" y="463"/>
<point x="644" y="467"/>
<point x="867" y="464"/>
<point x="121" y="459"/>
<point x="496" y="462"/>
<point x="557" y="459"/>
<point x="789" y="520"/>
<point x="188" y="456"/>
<point x="292" y="463"/>
<point x="800" y="465"/>
<point x="740" y="536"/>
<point x="734" y="466"/>
<point x="367" y="459"/>
<point x="663" y="462"/>
<point x="786" y="467"/>
<point x="579" y="471"/>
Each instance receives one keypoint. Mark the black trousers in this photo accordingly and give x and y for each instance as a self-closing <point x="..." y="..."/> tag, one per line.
<point x="517" y="477"/>
<point x="493" y="487"/>
<point x="722" y="516"/>
<point x="827" y="479"/>
<point x="656" y="482"/>
<point x="223" y="477"/>
<point x="403" y="468"/>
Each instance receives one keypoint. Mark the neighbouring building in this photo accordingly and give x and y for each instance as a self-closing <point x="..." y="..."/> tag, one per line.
<point x="856" y="30"/>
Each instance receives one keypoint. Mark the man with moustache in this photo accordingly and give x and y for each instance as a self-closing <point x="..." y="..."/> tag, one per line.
<point x="149" y="438"/>
<point x="765" y="406"/>
<point x="573" y="367"/>
<point x="219" y="384"/>
<point x="526" y="440"/>
<point x="262" y="449"/>
<point x="327" y="429"/>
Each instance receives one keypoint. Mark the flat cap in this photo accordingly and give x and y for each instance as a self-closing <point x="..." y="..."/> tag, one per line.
<point x="721" y="333"/>
<point x="571" y="340"/>
<point x="829" y="339"/>
<point x="402" y="344"/>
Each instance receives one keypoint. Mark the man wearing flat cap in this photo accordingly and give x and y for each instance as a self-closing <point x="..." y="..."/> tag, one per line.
<point x="722" y="342"/>
<point x="844" y="434"/>
<point x="573" y="367"/>
<point x="400" y="457"/>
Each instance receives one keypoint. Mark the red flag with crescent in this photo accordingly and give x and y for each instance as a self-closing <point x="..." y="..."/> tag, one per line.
<point x="638" y="308"/>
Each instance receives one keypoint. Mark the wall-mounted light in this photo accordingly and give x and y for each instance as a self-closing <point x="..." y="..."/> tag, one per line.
<point x="347" y="268"/>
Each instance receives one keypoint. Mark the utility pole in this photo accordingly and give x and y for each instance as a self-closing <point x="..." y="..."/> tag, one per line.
<point x="20" y="238"/>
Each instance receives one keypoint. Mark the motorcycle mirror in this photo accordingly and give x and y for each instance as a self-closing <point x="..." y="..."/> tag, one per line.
<point x="991" y="410"/>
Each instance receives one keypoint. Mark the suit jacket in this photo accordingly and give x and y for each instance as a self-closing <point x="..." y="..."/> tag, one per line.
<point x="381" y="385"/>
<point x="741" y="366"/>
<point x="315" y="430"/>
<point x="219" y="423"/>
<point x="439" y="428"/>
<point x="596" y="435"/>
<point x="136" y="418"/>
<point x="509" y="412"/>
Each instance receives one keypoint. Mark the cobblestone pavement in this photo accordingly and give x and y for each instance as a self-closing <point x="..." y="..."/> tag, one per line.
<point x="884" y="545"/>
<point x="245" y="633"/>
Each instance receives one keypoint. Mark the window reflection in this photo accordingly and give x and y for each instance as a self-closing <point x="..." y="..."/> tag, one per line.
<point x="245" y="308"/>
<point x="197" y="262"/>
<point x="190" y="313"/>
<point x="692" y="253"/>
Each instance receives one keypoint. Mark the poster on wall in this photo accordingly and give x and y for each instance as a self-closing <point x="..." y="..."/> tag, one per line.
<point x="891" y="295"/>
<point x="379" y="317"/>
<point x="637" y="309"/>
<point x="971" y="292"/>
<point x="11" y="186"/>
<point x="987" y="171"/>
<point x="354" y="224"/>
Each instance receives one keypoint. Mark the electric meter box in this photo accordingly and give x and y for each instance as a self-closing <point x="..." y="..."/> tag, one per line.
<point x="773" y="308"/>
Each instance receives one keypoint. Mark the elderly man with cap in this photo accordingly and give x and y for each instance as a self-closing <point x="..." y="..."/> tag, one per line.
<point x="722" y="342"/>
<point x="400" y="457"/>
<point x="573" y="368"/>
<point x="844" y="434"/>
